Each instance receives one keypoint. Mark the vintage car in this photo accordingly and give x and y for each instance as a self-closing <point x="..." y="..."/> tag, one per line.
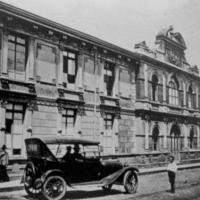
<point x="47" y="174"/>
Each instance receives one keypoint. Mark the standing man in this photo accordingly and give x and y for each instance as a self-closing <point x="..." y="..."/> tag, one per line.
<point x="3" y="164"/>
<point x="172" y="169"/>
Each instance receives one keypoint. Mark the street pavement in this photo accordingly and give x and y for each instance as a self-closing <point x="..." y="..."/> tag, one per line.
<point x="151" y="187"/>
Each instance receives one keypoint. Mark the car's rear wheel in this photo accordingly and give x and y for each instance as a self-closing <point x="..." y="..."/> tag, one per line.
<point x="130" y="182"/>
<point x="107" y="188"/>
<point x="54" y="188"/>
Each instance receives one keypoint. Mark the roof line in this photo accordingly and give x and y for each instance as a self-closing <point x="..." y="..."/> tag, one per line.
<point x="18" y="12"/>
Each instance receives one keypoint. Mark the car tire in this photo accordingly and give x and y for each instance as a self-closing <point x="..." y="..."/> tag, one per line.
<point x="54" y="188"/>
<point x="29" y="172"/>
<point x="107" y="188"/>
<point x="32" y="191"/>
<point x="130" y="182"/>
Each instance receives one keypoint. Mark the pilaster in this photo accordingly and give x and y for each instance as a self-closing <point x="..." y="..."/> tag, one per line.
<point x="165" y="132"/>
<point x="198" y="136"/>
<point x="164" y="89"/>
<point x="31" y="60"/>
<point x="185" y="131"/>
<point x="184" y="94"/>
<point x="80" y="72"/>
<point x="5" y="54"/>
<point x="60" y="129"/>
<point x="146" y="130"/>
<point x="145" y="81"/>
<point x="197" y="98"/>
<point x="60" y="67"/>
<point x="116" y="83"/>
<point x="115" y="135"/>
<point x="2" y="122"/>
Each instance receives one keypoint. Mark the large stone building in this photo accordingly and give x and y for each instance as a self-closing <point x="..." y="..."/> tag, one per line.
<point x="141" y="105"/>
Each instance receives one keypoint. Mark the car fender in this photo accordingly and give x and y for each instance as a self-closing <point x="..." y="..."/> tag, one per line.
<point x="55" y="172"/>
<point x="113" y="177"/>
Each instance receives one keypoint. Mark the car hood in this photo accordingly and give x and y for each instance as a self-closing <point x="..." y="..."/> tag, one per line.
<point x="112" y="164"/>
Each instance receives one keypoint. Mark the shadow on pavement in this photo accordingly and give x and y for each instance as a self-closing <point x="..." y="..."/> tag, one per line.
<point x="80" y="194"/>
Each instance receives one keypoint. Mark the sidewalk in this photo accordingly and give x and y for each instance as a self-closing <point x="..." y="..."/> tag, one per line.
<point x="14" y="183"/>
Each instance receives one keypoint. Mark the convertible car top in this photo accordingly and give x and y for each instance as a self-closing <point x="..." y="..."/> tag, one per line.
<point x="63" y="140"/>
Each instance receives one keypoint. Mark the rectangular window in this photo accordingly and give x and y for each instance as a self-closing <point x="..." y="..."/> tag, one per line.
<point x="108" y="121"/>
<point x="68" y="118"/>
<point x="89" y="65"/>
<point x="69" y="66"/>
<point x="124" y="82"/>
<point x="46" y="53"/>
<point x="17" y="53"/>
<point x="14" y="124"/>
<point x="124" y="76"/>
<point x="108" y="77"/>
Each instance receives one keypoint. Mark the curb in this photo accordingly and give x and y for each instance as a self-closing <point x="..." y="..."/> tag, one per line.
<point x="12" y="188"/>
<point x="163" y="169"/>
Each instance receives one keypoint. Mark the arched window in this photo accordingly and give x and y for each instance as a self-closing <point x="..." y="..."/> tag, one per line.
<point x="193" y="139"/>
<point x="154" y="88"/>
<point x="155" y="136"/>
<point x="173" y="92"/>
<point x="190" y="97"/>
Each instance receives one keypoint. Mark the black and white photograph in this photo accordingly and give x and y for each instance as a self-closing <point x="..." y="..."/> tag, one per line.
<point x="99" y="99"/>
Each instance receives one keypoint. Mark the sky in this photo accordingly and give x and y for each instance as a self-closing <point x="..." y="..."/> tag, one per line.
<point x="124" y="22"/>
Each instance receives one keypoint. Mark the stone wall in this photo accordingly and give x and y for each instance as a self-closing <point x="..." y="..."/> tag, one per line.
<point x="44" y="120"/>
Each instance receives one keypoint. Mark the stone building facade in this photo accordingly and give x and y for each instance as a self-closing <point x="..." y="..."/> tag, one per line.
<point x="54" y="80"/>
<point x="168" y="103"/>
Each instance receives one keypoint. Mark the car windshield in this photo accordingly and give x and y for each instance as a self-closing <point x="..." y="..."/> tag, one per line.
<point x="87" y="151"/>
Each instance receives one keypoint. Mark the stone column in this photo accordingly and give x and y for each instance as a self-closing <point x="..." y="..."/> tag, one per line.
<point x="146" y="130"/>
<point x="145" y="81"/>
<point x="185" y="131"/>
<point x="5" y="53"/>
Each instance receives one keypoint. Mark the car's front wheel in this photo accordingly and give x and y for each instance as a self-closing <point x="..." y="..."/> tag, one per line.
<point x="130" y="182"/>
<point x="54" y="188"/>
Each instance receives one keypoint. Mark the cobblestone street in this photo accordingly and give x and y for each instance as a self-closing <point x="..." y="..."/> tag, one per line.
<point x="151" y="187"/>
